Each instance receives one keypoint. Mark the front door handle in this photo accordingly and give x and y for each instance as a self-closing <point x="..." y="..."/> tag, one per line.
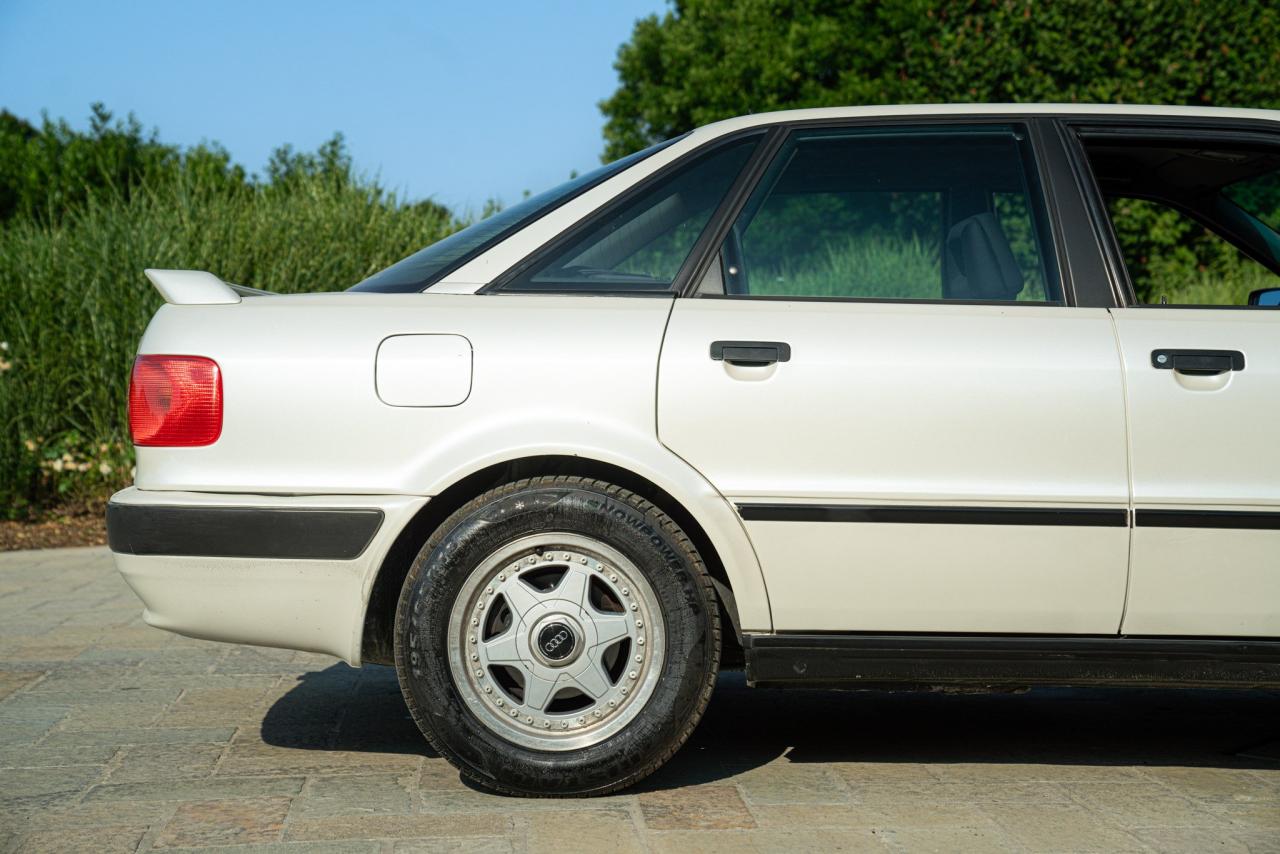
<point x="751" y="353"/>
<point x="1204" y="363"/>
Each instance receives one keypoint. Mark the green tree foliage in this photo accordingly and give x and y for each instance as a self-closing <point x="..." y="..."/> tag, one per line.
<point x="707" y="60"/>
<point x="50" y="172"/>
<point x="85" y="212"/>
<point x="711" y="59"/>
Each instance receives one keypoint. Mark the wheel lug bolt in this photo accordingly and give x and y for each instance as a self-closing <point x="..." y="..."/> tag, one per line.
<point x="626" y="592"/>
<point x="475" y="657"/>
<point x="489" y="591"/>
<point x="634" y="606"/>
<point x="480" y="674"/>
<point x="488" y="690"/>
<point x="514" y="713"/>
<point x="499" y="701"/>
<point x="474" y="621"/>
<point x="548" y="556"/>
<point x="528" y="720"/>
<point x="613" y="578"/>
<point x="640" y="641"/>
<point x="631" y="675"/>
<point x="639" y="624"/>
<point x="639" y="658"/>
<point x="564" y="556"/>
<point x="613" y="703"/>
<point x="472" y="639"/>
<point x="598" y="713"/>
<point x="625" y="690"/>
<point x="502" y="576"/>
<point x="564" y="725"/>
<point x="599" y="567"/>
<point x="582" y="560"/>
<point x="546" y="724"/>
<point x="582" y="720"/>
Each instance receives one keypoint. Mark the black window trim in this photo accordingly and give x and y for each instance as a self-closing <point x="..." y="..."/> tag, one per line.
<point x="1072" y="127"/>
<point x="725" y="218"/>
<point x="565" y="238"/>
<point x="1103" y="249"/>
<point x="708" y="245"/>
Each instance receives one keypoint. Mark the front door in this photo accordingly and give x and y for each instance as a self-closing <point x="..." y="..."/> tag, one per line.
<point x="1202" y="372"/>
<point x="881" y="372"/>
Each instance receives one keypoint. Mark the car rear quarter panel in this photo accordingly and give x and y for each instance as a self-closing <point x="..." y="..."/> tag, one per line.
<point x="551" y="375"/>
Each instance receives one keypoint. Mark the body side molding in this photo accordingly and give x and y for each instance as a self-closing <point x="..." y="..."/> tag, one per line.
<point x="1261" y="520"/>
<point x="1246" y="519"/>
<point x="933" y="515"/>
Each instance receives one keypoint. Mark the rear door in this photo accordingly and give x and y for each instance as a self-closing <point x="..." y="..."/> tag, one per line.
<point x="883" y="371"/>
<point x="1202" y="372"/>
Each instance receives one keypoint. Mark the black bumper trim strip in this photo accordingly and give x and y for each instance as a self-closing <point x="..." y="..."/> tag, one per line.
<point x="919" y="515"/>
<point x="241" y="532"/>
<point x="1247" y="519"/>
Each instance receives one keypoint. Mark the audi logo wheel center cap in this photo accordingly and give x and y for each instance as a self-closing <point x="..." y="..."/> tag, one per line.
<point x="556" y="640"/>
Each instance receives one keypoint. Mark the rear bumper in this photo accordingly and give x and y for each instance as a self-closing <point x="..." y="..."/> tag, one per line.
<point x="283" y="571"/>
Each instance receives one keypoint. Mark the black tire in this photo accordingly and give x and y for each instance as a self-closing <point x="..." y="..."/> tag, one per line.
<point x="611" y="515"/>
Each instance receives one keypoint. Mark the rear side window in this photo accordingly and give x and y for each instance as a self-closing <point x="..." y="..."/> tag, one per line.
<point x="901" y="213"/>
<point x="427" y="266"/>
<point x="640" y="244"/>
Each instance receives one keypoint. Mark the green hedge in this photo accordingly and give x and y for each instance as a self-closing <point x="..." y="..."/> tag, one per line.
<point x="74" y="301"/>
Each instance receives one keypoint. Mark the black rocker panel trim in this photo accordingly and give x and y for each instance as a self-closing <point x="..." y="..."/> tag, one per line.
<point x="1239" y="519"/>
<point x="243" y="532"/>
<point x="1006" y="661"/>
<point x="934" y="515"/>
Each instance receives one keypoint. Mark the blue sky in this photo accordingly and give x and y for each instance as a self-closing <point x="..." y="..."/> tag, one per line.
<point x="457" y="101"/>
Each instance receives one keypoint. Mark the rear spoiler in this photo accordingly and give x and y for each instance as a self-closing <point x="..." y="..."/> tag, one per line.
<point x="197" y="287"/>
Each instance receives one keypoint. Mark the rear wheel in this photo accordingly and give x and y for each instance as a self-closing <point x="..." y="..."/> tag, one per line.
<point x="557" y="636"/>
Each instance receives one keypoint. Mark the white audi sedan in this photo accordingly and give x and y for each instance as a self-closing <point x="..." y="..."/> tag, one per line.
<point x="852" y="397"/>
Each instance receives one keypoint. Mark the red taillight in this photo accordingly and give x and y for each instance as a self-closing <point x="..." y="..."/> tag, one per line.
<point x="175" y="401"/>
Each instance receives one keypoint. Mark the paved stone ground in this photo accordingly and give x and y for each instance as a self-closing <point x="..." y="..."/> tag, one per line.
<point x="118" y="737"/>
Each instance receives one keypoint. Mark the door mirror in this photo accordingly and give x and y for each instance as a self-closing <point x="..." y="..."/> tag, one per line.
<point x="1265" y="296"/>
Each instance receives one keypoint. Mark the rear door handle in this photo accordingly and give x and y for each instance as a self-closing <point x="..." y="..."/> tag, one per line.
<point x="751" y="352"/>
<point x="1198" y="362"/>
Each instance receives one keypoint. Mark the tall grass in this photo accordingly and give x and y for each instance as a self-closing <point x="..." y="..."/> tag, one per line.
<point x="890" y="267"/>
<point x="74" y="301"/>
<point x="1227" y="284"/>
<point x="872" y="267"/>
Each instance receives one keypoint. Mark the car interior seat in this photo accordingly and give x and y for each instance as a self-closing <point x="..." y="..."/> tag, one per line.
<point x="980" y="265"/>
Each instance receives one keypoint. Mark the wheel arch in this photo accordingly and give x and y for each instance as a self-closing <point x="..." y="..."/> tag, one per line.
<point x="715" y="530"/>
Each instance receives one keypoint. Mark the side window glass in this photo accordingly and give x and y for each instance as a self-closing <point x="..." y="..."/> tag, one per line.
<point x="903" y="213"/>
<point x="641" y="243"/>
<point x="1196" y="221"/>
<point x="1014" y="215"/>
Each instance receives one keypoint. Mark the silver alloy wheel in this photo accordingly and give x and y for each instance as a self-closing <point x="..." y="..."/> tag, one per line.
<point x="556" y="641"/>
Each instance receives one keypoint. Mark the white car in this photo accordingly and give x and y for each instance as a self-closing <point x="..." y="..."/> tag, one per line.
<point x="857" y="397"/>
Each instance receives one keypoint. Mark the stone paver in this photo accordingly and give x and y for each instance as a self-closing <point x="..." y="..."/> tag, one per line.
<point x="117" y="737"/>
<point x="232" y="820"/>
